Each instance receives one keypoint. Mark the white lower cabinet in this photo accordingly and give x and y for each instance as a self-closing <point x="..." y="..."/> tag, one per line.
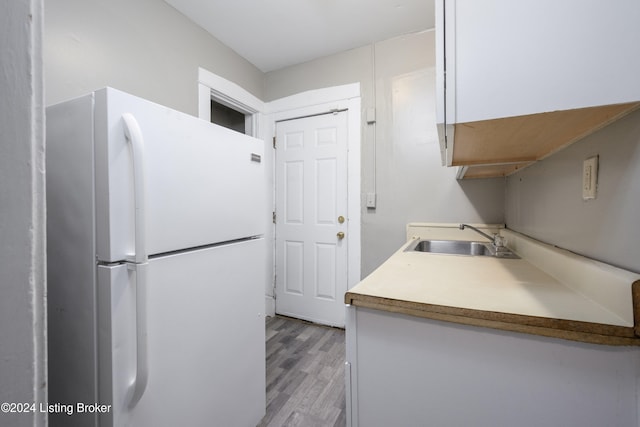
<point x="409" y="371"/>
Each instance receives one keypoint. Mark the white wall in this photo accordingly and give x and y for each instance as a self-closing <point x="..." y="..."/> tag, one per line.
<point x="544" y="201"/>
<point x="144" y="47"/>
<point x="22" y="212"/>
<point x="400" y="153"/>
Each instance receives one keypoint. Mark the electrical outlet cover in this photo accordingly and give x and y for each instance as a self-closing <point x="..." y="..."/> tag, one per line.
<point x="371" y="200"/>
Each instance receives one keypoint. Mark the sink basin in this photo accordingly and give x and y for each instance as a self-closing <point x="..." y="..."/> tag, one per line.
<point x="455" y="247"/>
<point x="460" y="247"/>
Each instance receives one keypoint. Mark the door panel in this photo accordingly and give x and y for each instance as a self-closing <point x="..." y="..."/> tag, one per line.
<point x="311" y="194"/>
<point x="205" y="339"/>
<point x="326" y="186"/>
<point x="325" y="271"/>
<point x="294" y="267"/>
<point x="294" y="192"/>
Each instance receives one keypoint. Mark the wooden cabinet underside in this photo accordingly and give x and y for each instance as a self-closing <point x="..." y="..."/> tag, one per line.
<point x="499" y="147"/>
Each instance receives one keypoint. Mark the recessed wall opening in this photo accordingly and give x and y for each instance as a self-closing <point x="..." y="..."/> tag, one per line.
<point x="223" y="102"/>
<point x="228" y="117"/>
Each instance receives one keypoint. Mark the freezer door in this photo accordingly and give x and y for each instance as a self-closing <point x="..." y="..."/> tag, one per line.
<point x="205" y="335"/>
<point x="203" y="183"/>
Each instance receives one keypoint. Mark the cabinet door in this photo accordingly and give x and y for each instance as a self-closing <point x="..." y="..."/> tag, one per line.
<point x="408" y="371"/>
<point x="517" y="81"/>
<point x="525" y="57"/>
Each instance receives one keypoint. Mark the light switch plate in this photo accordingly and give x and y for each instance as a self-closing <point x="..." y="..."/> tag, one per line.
<point x="590" y="178"/>
<point x="371" y="116"/>
<point x="371" y="200"/>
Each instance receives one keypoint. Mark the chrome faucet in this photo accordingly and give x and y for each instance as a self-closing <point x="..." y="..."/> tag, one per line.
<point x="497" y="240"/>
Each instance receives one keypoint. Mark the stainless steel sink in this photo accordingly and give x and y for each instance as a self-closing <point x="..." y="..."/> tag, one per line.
<point x="460" y="247"/>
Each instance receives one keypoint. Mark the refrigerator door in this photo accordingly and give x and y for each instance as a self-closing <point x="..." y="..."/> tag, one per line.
<point x="202" y="183"/>
<point x="205" y="339"/>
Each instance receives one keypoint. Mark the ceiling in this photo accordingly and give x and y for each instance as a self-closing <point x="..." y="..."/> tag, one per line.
<point x="273" y="34"/>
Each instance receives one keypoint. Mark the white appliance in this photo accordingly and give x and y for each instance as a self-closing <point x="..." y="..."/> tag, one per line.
<point x="155" y="267"/>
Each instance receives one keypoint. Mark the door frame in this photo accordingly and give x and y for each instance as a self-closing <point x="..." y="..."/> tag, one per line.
<point x="211" y="86"/>
<point x="320" y="101"/>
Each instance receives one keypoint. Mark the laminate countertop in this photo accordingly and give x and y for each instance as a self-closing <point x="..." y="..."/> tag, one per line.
<point x="548" y="292"/>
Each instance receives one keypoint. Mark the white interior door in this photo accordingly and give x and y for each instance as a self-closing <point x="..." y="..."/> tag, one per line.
<point x="312" y="220"/>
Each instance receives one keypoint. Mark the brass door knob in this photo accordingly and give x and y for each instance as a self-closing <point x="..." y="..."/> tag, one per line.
<point x="341" y="219"/>
<point x="340" y="235"/>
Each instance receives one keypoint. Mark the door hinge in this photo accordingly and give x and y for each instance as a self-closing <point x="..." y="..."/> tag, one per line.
<point x="273" y="217"/>
<point x="274" y="142"/>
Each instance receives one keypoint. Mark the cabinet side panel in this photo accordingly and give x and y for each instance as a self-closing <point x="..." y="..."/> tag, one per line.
<point x="351" y="366"/>
<point x="445" y="77"/>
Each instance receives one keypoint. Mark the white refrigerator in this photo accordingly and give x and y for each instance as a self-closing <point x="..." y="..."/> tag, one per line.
<point x="156" y="267"/>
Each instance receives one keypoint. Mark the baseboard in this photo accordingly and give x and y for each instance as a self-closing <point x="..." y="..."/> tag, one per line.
<point x="269" y="305"/>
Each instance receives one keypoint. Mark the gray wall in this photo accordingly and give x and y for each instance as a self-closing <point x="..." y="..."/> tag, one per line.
<point x="144" y="47"/>
<point x="397" y="77"/>
<point x="22" y="212"/>
<point x="544" y="201"/>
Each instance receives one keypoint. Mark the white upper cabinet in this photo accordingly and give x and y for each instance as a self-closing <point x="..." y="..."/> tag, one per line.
<point x="518" y="80"/>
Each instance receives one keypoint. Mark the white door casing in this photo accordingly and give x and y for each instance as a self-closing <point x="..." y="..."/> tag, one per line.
<point x="312" y="232"/>
<point x="226" y="92"/>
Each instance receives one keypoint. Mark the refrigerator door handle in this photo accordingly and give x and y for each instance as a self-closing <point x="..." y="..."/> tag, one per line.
<point x="134" y="135"/>
<point x="139" y="382"/>
<point x="139" y="260"/>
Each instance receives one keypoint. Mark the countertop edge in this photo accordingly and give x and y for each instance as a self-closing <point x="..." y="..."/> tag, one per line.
<point x="594" y="333"/>
<point x="635" y="300"/>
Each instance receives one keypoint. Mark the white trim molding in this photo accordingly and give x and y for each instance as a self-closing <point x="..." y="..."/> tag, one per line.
<point x="314" y="98"/>
<point x="226" y="92"/>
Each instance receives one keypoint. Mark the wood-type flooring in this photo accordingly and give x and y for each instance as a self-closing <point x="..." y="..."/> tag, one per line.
<point x="305" y="374"/>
